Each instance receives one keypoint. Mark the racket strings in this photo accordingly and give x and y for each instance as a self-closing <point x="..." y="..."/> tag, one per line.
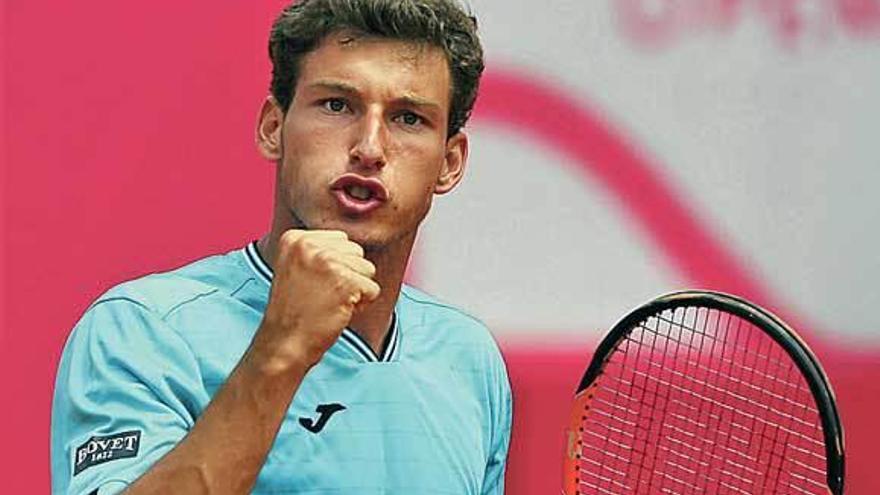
<point x="698" y="401"/>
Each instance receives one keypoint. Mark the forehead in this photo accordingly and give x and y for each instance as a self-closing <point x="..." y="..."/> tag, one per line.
<point x="379" y="63"/>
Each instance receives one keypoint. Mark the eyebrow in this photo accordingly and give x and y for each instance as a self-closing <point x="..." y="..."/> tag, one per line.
<point x="333" y="86"/>
<point x="405" y="100"/>
<point x="419" y="102"/>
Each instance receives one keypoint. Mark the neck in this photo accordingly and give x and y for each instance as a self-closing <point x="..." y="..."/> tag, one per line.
<point x="373" y="322"/>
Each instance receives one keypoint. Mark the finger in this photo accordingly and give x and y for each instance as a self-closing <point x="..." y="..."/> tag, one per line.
<point x="292" y="235"/>
<point x="357" y="264"/>
<point x="344" y="246"/>
<point x="326" y="234"/>
<point x="329" y="242"/>
<point x="367" y="288"/>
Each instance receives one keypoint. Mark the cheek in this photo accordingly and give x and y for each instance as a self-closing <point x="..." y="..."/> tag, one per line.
<point x="302" y="149"/>
<point x="308" y="159"/>
<point x="416" y="172"/>
<point x="417" y="191"/>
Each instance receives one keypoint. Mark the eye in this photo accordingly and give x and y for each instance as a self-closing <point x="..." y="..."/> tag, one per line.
<point x="335" y="105"/>
<point x="410" y="119"/>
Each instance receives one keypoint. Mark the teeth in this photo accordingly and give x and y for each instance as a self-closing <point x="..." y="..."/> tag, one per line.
<point x="359" y="192"/>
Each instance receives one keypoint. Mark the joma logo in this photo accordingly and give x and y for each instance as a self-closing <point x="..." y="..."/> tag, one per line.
<point x="325" y="411"/>
<point x="98" y="450"/>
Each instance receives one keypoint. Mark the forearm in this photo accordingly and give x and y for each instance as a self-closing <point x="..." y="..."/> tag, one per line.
<point x="228" y="445"/>
<point x="320" y="277"/>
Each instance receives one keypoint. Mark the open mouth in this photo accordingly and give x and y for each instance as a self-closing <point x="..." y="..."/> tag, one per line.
<point x="360" y="188"/>
<point x="359" y="193"/>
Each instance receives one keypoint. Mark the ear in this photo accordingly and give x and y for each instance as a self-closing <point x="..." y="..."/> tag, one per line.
<point x="269" y="126"/>
<point x="453" y="164"/>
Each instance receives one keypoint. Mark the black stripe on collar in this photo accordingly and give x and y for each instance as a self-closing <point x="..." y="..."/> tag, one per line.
<point x="390" y="344"/>
<point x="362" y="348"/>
<point x="257" y="263"/>
<point x="358" y="344"/>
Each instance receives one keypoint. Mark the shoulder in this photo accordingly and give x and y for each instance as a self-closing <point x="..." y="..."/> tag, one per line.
<point x="152" y="311"/>
<point x="165" y="292"/>
<point x="431" y="310"/>
<point x="139" y="324"/>
<point x="131" y="331"/>
<point x="451" y="328"/>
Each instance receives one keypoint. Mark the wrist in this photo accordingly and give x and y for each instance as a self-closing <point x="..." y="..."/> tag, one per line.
<point x="274" y="358"/>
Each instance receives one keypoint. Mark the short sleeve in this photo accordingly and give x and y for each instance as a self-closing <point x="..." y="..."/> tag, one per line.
<point x="502" y="417"/>
<point x="128" y="389"/>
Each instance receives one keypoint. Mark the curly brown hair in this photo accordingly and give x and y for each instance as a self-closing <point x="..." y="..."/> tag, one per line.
<point x="442" y="23"/>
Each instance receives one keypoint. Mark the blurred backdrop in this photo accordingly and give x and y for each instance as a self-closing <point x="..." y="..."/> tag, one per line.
<point x="620" y="149"/>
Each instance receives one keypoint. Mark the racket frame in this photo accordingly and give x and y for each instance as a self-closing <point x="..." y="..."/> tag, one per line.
<point x="773" y="326"/>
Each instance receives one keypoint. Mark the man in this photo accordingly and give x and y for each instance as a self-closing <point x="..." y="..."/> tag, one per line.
<point x="301" y="364"/>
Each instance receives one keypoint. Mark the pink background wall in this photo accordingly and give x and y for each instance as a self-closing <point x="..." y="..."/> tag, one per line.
<point x="127" y="148"/>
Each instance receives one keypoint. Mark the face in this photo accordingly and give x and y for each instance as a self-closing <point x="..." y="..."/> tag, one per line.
<point x="363" y="146"/>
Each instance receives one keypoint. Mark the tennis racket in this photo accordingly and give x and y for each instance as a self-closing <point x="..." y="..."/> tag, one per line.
<point x="704" y="393"/>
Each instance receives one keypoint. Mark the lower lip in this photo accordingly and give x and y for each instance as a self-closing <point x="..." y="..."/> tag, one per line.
<point x="354" y="206"/>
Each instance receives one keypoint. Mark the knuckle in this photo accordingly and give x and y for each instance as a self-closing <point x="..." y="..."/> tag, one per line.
<point x="305" y="247"/>
<point x="322" y="258"/>
<point x="297" y="245"/>
<point x="344" y="285"/>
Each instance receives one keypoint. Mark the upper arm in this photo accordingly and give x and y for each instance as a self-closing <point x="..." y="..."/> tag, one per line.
<point x="127" y="390"/>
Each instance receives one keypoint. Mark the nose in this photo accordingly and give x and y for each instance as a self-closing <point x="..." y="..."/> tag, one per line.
<point x="371" y="142"/>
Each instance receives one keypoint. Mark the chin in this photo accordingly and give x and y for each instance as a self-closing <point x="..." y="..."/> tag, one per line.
<point x="373" y="232"/>
<point x="367" y="234"/>
<point x="370" y="241"/>
<point x="374" y="238"/>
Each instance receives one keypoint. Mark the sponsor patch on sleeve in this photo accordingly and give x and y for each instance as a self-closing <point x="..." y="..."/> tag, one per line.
<point x="98" y="450"/>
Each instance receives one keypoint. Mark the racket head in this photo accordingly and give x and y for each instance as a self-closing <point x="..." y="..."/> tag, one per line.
<point x="777" y="338"/>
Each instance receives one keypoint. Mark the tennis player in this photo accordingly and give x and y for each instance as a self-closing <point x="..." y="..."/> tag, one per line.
<point x="301" y="363"/>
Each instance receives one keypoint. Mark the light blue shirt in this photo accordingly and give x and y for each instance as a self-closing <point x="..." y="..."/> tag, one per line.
<point x="431" y="414"/>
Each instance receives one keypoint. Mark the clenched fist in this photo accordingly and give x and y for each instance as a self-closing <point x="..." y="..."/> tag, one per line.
<point x="321" y="279"/>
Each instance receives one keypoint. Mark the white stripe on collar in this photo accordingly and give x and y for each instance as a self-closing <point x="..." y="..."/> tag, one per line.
<point x="349" y="338"/>
<point x="390" y="351"/>
<point x="257" y="263"/>
<point x="356" y="343"/>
